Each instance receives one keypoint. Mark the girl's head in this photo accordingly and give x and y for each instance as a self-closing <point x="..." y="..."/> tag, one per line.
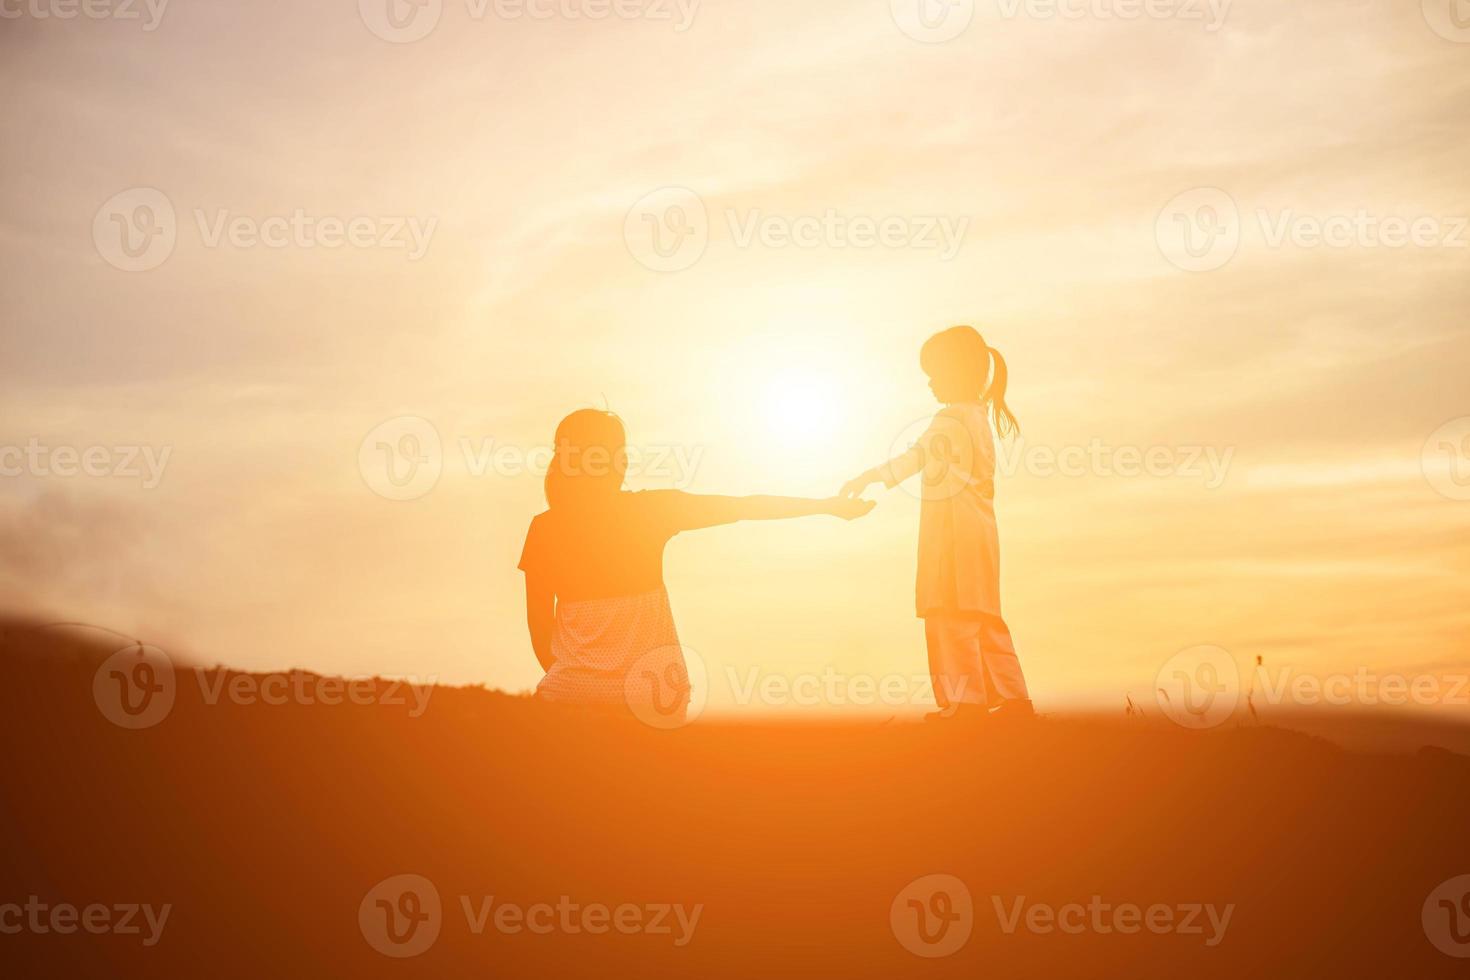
<point x="963" y="368"/>
<point x="589" y="460"/>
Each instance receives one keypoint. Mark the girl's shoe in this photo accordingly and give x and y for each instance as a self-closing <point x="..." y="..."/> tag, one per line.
<point x="1015" y="709"/>
<point x="960" y="714"/>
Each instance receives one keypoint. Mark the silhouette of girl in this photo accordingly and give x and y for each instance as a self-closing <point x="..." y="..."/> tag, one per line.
<point x="972" y="659"/>
<point x="596" y="606"/>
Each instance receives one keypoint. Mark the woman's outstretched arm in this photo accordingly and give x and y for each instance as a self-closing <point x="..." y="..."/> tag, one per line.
<point x="707" y="510"/>
<point x="540" y="617"/>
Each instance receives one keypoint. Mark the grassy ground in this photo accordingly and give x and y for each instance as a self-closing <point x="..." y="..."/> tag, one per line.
<point x="267" y="828"/>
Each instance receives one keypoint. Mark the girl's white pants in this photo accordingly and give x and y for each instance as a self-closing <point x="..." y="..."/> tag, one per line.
<point x="973" y="661"/>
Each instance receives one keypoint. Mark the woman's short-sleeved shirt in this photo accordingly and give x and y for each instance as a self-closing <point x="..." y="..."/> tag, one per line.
<point x="610" y="547"/>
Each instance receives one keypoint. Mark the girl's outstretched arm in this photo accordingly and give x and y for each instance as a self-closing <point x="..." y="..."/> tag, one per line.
<point x="890" y="474"/>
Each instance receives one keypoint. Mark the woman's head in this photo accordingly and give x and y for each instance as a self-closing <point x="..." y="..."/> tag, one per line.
<point x="589" y="460"/>
<point x="963" y="368"/>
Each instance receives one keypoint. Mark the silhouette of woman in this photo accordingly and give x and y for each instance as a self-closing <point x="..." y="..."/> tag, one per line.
<point x="595" y="599"/>
<point x="972" y="659"/>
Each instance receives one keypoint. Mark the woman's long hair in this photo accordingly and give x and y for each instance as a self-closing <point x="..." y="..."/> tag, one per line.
<point x="589" y="460"/>
<point x="967" y="368"/>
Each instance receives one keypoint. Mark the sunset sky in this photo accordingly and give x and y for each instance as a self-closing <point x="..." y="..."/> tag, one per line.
<point x="1300" y="510"/>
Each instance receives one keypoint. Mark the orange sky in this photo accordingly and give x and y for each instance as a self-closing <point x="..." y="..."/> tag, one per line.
<point x="1050" y="148"/>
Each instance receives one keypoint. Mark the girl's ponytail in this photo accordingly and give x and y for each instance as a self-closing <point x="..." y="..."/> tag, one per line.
<point x="1005" y="420"/>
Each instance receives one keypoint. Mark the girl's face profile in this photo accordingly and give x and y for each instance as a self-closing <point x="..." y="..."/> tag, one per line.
<point x="947" y="390"/>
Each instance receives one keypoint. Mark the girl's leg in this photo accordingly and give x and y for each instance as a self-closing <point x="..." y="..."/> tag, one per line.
<point x="1002" y="666"/>
<point x="954" y="661"/>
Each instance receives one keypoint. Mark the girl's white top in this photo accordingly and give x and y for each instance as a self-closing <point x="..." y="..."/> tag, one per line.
<point x="959" y="548"/>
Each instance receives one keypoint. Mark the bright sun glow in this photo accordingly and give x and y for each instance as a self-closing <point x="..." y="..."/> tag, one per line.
<point x="802" y="409"/>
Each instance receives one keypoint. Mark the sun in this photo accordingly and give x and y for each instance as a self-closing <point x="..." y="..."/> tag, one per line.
<point x="801" y="408"/>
